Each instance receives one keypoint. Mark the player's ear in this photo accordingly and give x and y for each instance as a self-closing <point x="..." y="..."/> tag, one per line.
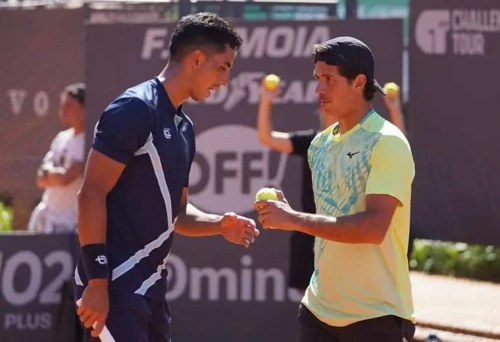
<point x="360" y="81"/>
<point x="197" y="58"/>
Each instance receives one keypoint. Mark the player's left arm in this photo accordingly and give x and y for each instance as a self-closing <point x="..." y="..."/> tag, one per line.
<point x="63" y="175"/>
<point x="47" y="163"/>
<point x="388" y="186"/>
<point x="72" y="169"/>
<point x="191" y="221"/>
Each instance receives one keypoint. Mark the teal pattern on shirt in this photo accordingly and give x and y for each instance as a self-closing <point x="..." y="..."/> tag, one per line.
<point x="340" y="168"/>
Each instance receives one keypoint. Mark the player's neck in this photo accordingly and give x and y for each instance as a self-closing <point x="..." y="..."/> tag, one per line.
<point x="173" y="82"/>
<point x="353" y="117"/>
<point x="327" y="121"/>
<point x="78" y="129"/>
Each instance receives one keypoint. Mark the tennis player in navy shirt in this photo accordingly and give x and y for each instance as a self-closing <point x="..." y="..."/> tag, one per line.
<point x="135" y="189"/>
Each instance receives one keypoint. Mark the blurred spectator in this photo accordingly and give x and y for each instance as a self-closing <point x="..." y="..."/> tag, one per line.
<point x="301" y="255"/>
<point x="61" y="171"/>
<point x="393" y="104"/>
<point x="397" y="117"/>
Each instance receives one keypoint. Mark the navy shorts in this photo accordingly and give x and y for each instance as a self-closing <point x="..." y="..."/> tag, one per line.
<point x="133" y="317"/>
<point x="380" y="329"/>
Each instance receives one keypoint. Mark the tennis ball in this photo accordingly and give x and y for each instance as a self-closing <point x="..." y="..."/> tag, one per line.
<point x="271" y="82"/>
<point x="265" y="194"/>
<point x="391" y="89"/>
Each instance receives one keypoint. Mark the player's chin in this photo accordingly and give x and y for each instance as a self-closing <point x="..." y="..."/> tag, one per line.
<point x="200" y="96"/>
<point x="324" y="106"/>
<point x="327" y="108"/>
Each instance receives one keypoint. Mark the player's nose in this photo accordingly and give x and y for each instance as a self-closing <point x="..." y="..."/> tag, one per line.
<point x="224" y="79"/>
<point x="320" y="89"/>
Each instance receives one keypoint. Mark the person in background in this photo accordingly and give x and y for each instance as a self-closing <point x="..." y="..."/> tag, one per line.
<point x="301" y="253"/>
<point x="397" y="117"/>
<point x="393" y="104"/>
<point x="60" y="173"/>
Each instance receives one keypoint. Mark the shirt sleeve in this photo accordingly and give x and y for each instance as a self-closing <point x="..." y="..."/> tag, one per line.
<point x="392" y="169"/>
<point x="76" y="150"/>
<point x="123" y="128"/>
<point x="56" y="142"/>
<point x="301" y="140"/>
<point x="49" y="157"/>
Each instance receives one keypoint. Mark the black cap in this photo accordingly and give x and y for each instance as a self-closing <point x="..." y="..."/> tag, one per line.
<point x="348" y="52"/>
<point x="77" y="91"/>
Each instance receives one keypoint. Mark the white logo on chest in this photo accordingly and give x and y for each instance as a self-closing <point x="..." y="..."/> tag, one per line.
<point x="166" y="133"/>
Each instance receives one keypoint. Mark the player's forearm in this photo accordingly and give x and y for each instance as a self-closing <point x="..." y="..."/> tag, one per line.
<point x="193" y="222"/>
<point x="277" y="141"/>
<point x="397" y="119"/>
<point x="56" y="176"/>
<point x="41" y="181"/>
<point x="359" y="228"/>
<point x="60" y="176"/>
<point x="264" y="124"/>
<point x="92" y="217"/>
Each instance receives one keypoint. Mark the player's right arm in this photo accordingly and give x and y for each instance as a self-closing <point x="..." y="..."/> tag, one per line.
<point x="101" y="175"/>
<point x="123" y="128"/>
<point x="388" y="187"/>
<point x="277" y="141"/>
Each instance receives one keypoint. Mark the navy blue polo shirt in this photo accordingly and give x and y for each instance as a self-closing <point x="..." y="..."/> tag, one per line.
<point x="142" y="129"/>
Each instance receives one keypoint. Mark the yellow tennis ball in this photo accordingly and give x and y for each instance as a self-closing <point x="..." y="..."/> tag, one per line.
<point x="271" y="82"/>
<point x="265" y="194"/>
<point x="391" y="89"/>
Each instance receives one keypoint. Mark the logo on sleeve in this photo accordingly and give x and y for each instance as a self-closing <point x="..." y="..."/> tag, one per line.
<point x="101" y="260"/>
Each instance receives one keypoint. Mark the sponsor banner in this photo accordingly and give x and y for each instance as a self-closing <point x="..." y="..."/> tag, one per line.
<point x="33" y="273"/>
<point x="454" y="53"/>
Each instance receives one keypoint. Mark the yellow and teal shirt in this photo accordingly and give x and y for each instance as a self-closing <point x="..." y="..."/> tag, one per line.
<point x="354" y="282"/>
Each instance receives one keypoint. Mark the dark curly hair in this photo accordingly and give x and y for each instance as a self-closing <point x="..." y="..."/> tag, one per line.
<point x="203" y="31"/>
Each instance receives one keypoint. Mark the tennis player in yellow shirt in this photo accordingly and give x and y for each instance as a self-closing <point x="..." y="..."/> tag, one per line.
<point x="362" y="171"/>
